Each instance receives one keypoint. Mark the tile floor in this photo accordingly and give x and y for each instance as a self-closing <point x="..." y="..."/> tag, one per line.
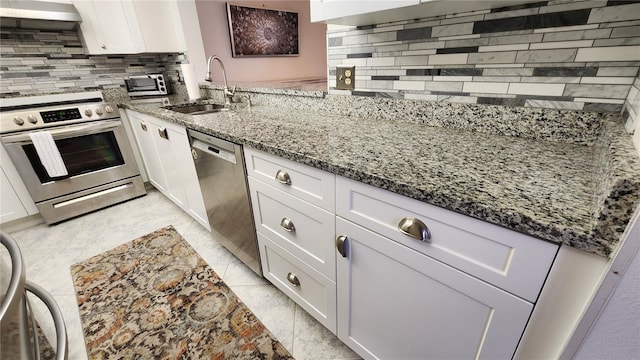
<point x="49" y="251"/>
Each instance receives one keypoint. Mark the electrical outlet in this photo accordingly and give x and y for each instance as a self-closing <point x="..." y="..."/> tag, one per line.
<point x="345" y="77"/>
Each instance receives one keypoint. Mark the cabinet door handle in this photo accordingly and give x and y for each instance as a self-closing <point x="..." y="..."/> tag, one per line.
<point x="341" y="245"/>
<point x="414" y="228"/>
<point x="287" y="224"/>
<point x="283" y="177"/>
<point x="163" y="133"/>
<point x="143" y="126"/>
<point x="293" y="279"/>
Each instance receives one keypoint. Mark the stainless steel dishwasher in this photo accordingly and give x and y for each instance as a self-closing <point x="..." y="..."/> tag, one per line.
<point x="223" y="181"/>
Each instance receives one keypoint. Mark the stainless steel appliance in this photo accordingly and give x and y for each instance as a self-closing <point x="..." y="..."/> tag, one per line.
<point x="44" y="15"/>
<point x="88" y="144"/>
<point x="223" y="181"/>
<point x="145" y="85"/>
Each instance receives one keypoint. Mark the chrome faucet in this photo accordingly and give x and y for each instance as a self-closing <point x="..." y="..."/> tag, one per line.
<point x="228" y="94"/>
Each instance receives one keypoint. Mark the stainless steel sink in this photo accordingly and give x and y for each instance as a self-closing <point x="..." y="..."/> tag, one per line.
<point x="197" y="109"/>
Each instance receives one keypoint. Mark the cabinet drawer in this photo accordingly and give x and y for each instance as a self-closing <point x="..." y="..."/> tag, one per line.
<point x="308" y="288"/>
<point x="311" y="230"/>
<point x="307" y="183"/>
<point x="509" y="260"/>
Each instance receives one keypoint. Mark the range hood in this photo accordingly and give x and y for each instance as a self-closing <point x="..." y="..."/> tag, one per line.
<point x="42" y="15"/>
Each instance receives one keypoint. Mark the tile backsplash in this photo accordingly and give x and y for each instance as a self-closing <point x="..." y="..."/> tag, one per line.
<point x="578" y="55"/>
<point x="35" y="61"/>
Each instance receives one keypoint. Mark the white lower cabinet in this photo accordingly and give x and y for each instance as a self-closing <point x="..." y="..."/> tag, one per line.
<point x="395" y="303"/>
<point x="310" y="289"/>
<point x="294" y="212"/>
<point x="11" y="207"/>
<point x="393" y="277"/>
<point x="166" y="154"/>
<point x="15" y="201"/>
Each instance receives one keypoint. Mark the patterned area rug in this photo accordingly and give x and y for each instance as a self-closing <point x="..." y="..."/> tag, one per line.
<point x="155" y="298"/>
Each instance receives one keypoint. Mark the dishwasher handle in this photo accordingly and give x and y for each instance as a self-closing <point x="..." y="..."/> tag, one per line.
<point x="213" y="150"/>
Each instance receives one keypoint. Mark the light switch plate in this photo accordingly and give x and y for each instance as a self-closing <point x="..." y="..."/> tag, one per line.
<point x="345" y="77"/>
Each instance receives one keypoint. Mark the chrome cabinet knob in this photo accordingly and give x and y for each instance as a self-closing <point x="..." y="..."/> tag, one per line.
<point x="341" y="245"/>
<point x="283" y="177"/>
<point x="414" y="228"/>
<point x="143" y="126"/>
<point x="293" y="279"/>
<point x="163" y="133"/>
<point x="287" y="224"/>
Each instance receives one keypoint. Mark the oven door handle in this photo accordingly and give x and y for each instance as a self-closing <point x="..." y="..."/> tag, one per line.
<point x="66" y="131"/>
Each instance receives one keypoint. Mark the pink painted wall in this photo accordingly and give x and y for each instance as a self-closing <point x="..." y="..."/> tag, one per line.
<point x="311" y="63"/>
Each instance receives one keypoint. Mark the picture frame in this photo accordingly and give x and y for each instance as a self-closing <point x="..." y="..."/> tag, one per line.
<point x="258" y="32"/>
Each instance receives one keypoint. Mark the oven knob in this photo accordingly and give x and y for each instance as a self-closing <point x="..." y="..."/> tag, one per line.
<point x="108" y="109"/>
<point x="18" y="121"/>
<point x="88" y="112"/>
<point x="32" y="119"/>
<point x="98" y="111"/>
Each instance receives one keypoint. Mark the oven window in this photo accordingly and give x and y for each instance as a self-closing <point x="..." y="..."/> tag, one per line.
<point x="144" y="84"/>
<point x="82" y="154"/>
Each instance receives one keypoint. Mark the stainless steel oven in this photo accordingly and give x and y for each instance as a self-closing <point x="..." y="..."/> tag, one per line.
<point x="85" y="138"/>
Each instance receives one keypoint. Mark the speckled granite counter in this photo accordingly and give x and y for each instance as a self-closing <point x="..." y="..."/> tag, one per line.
<point x="579" y="192"/>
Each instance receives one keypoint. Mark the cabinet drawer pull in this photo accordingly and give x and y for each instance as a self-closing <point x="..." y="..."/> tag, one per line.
<point x="283" y="177"/>
<point x="414" y="228"/>
<point x="341" y="245"/>
<point x="293" y="279"/>
<point x="287" y="224"/>
<point x="163" y="133"/>
<point x="143" y="126"/>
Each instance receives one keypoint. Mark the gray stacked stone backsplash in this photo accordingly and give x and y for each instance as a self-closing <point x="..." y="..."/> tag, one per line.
<point x="36" y="62"/>
<point x="575" y="55"/>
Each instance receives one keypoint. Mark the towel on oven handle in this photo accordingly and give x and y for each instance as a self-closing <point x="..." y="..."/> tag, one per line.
<point x="48" y="153"/>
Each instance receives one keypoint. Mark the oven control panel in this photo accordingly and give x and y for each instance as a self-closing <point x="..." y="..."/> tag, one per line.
<point x="37" y="118"/>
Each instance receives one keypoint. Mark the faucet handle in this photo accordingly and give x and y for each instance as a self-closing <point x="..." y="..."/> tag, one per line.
<point x="232" y="91"/>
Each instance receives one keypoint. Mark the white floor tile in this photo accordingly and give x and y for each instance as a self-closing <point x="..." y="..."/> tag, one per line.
<point x="238" y="274"/>
<point x="312" y="341"/>
<point x="49" y="251"/>
<point x="275" y="309"/>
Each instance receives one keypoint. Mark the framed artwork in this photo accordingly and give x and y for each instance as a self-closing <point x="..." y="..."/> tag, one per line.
<point x="262" y="32"/>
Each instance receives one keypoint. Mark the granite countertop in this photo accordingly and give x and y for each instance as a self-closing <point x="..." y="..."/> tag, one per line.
<point x="552" y="190"/>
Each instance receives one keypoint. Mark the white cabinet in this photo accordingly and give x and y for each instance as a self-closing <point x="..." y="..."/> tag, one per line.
<point x="15" y="201"/>
<point x="509" y="260"/>
<point x="343" y="251"/>
<point x="322" y="10"/>
<point x="359" y="13"/>
<point x="166" y="154"/>
<point x="293" y="209"/>
<point x="395" y="303"/>
<point x="130" y="27"/>
<point x="464" y="292"/>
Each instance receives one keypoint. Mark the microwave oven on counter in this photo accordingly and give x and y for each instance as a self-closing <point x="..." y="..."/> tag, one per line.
<point x="144" y="85"/>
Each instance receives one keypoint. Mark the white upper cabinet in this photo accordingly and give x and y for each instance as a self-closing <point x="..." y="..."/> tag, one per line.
<point x="358" y="13"/>
<point x="130" y="27"/>
<point x="322" y="10"/>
